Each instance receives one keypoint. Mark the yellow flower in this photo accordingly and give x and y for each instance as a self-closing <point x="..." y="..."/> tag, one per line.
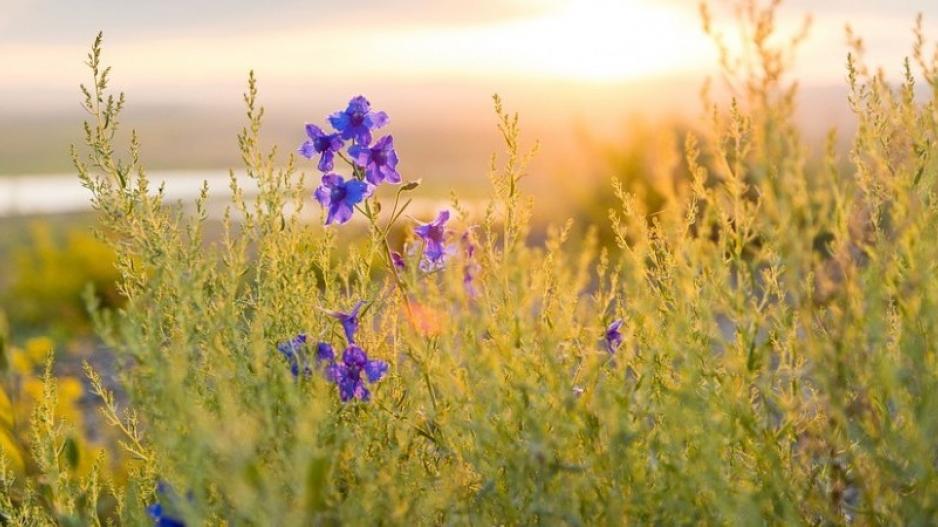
<point x="20" y="361"/>
<point x="6" y="410"/>
<point x="7" y="445"/>
<point x="11" y="452"/>
<point x="38" y="349"/>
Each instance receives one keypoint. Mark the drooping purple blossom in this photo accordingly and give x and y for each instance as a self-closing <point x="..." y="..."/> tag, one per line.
<point x="379" y="161"/>
<point x="349" y="321"/>
<point x="292" y="350"/>
<point x="470" y="268"/>
<point x="357" y="121"/>
<point x="321" y="143"/>
<point x="161" y="519"/>
<point x="435" y="250"/>
<point x="156" y="511"/>
<point x="397" y="260"/>
<point x="347" y="373"/>
<point x="339" y="197"/>
<point x="612" y="339"/>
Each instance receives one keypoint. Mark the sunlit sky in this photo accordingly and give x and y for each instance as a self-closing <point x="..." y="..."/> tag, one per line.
<point x="198" y="44"/>
<point x="562" y="59"/>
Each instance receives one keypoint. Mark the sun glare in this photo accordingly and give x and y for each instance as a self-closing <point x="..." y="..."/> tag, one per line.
<point x="608" y="40"/>
<point x="593" y="40"/>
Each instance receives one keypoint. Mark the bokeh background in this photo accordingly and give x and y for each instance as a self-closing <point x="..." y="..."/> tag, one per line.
<point x="608" y="88"/>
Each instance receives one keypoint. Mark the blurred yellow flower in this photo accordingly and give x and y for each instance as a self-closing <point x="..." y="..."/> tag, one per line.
<point x="20" y="361"/>
<point x="38" y="349"/>
<point x="7" y="445"/>
<point x="11" y="452"/>
<point x="67" y="390"/>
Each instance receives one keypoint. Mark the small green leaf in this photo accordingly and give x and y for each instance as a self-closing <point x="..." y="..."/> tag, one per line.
<point x="71" y="452"/>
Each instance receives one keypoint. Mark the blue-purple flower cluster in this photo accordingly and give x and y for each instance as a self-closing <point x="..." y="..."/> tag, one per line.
<point x="345" y="371"/>
<point x="434" y="236"/>
<point x="372" y="164"/>
<point x="158" y="512"/>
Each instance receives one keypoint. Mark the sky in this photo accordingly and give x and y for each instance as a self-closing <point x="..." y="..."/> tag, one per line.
<point x="431" y="63"/>
<point x="174" y="48"/>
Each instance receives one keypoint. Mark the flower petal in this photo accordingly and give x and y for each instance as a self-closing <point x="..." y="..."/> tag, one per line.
<point x="385" y="143"/>
<point x="325" y="352"/>
<point x="339" y="213"/>
<point x="376" y="119"/>
<point x="313" y="131"/>
<point x="441" y="218"/>
<point x="340" y="120"/>
<point x="375" y="370"/>
<point x="307" y="149"/>
<point x="332" y="180"/>
<point x="358" y="104"/>
<point x="356" y="191"/>
<point x="422" y="230"/>
<point x="325" y="162"/>
<point x="323" y="195"/>
<point x="360" y="154"/>
<point x="362" y="135"/>
<point x="354" y="357"/>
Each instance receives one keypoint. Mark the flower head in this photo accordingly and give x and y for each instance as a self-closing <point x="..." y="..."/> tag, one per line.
<point x="321" y="143"/>
<point x="357" y="120"/>
<point x="471" y="268"/>
<point x="347" y="373"/>
<point x="324" y="353"/>
<point x="378" y="161"/>
<point x="349" y="321"/>
<point x="158" y="513"/>
<point x="612" y="339"/>
<point x="161" y="519"/>
<point x="397" y="260"/>
<point x="292" y="350"/>
<point x="434" y="237"/>
<point x="339" y="197"/>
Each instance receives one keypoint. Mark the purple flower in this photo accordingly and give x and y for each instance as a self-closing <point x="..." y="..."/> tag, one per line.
<point x="339" y="197"/>
<point x="471" y="268"/>
<point x="347" y="373"/>
<point x="322" y="143"/>
<point x="434" y="237"/>
<point x="357" y="120"/>
<point x="397" y="260"/>
<point x="324" y="353"/>
<point x="292" y="350"/>
<point x="378" y="161"/>
<point x="161" y="519"/>
<point x="612" y="339"/>
<point x="156" y="511"/>
<point x="349" y="321"/>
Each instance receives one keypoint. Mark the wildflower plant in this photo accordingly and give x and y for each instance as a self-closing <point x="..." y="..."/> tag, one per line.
<point x="774" y="361"/>
<point x="435" y="249"/>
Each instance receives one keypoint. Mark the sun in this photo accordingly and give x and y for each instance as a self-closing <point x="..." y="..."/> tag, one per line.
<point x="590" y="40"/>
<point x="606" y="40"/>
